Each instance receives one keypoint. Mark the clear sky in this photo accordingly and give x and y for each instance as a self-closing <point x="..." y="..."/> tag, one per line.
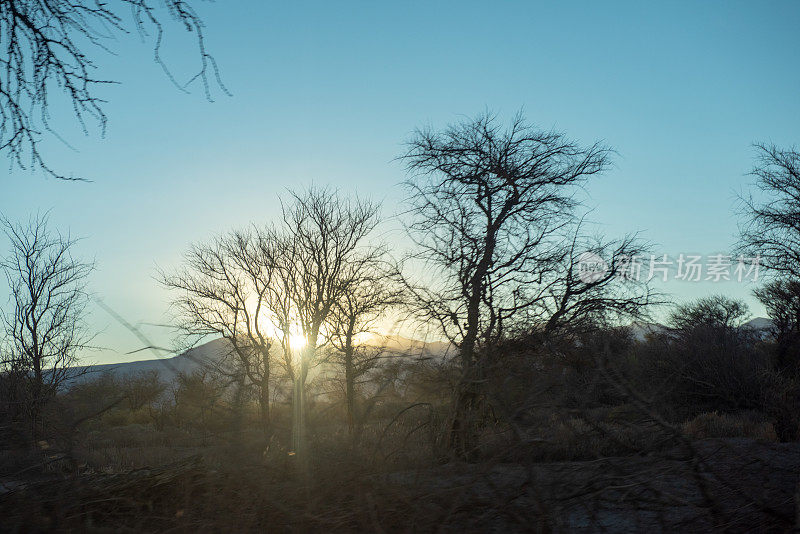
<point x="327" y="92"/>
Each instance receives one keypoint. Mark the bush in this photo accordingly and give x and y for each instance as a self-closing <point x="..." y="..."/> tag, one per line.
<point x="744" y="425"/>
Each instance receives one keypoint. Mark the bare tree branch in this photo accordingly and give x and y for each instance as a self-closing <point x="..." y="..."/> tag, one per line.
<point x="48" y="46"/>
<point x="498" y="240"/>
<point x="45" y="327"/>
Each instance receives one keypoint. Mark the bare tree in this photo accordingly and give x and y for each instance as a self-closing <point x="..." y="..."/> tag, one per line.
<point x="197" y="395"/>
<point x="324" y="236"/>
<point x="257" y="287"/>
<point x="496" y="232"/>
<point x="715" y="311"/>
<point x="372" y="291"/>
<point x="142" y="388"/>
<point x="781" y="298"/>
<point x="771" y="233"/>
<point x="45" y="326"/>
<point x="48" y="52"/>
<point x="277" y="295"/>
<point x="771" y="230"/>
<point x="224" y="289"/>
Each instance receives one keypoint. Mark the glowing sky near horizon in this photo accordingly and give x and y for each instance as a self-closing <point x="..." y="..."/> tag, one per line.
<point x="327" y="92"/>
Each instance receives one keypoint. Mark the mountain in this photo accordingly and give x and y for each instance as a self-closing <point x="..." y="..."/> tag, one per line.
<point x="404" y="345"/>
<point x="759" y="323"/>
<point x="641" y="330"/>
<point x="215" y="350"/>
<point x="168" y="368"/>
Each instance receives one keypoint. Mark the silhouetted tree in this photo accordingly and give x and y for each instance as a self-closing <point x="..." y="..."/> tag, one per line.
<point x="45" y="326"/>
<point x="711" y="355"/>
<point x="258" y="286"/>
<point x="48" y="49"/>
<point x="709" y="362"/>
<point x="142" y="388"/>
<point x="197" y="395"/>
<point x="771" y="230"/>
<point x="225" y="289"/>
<point x="323" y="236"/>
<point x="715" y="311"/>
<point x="373" y="289"/>
<point x="95" y="392"/>
<point x="781" y="298"/>
<point x="495" y="227"/>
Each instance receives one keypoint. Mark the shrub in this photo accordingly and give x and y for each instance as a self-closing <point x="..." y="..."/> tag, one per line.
<point x="744" y="425"/>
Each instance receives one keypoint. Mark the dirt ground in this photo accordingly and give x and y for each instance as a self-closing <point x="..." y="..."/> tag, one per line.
<point x="734" y="485"/>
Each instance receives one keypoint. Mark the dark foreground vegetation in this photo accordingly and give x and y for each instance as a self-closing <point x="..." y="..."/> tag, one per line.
<point x="602" y="432"/>
<point x="546" y="412"/>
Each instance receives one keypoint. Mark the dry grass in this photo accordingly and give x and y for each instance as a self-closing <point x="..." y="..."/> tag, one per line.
<point x="744" y="425"/>
<point x="560" y="451"/>
<point x="344" y="492"/>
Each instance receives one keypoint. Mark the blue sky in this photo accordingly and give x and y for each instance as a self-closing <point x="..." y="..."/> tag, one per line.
<point x="327" y="92"/>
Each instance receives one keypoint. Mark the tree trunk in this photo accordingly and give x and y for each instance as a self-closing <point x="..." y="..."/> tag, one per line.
<point x="299" y="434"/>
<point x="263" y="405"/>
<point x="463" y="432"/>
<point x="263" y="397"/>
<point x="37" y="400"/>
<point x="350" y="380"/>
<point x="298" y="417"/>
<point x="350" y="392"/>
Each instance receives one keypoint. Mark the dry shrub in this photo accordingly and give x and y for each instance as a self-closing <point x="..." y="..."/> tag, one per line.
<point x="123" y="417"/>
<point x="122" y="459"/>
<point x="580" y="437"/>
<point x="743" y="425"/>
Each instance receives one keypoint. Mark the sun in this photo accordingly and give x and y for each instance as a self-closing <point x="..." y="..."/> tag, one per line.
<point x="297" y="341"/>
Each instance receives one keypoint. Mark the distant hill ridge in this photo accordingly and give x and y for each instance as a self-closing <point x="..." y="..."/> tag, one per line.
<point x="640" y="330"/>
<point x="212" y="352"/>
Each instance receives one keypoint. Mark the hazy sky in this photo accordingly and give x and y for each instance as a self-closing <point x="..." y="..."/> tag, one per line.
<point x="327" y="92"/>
